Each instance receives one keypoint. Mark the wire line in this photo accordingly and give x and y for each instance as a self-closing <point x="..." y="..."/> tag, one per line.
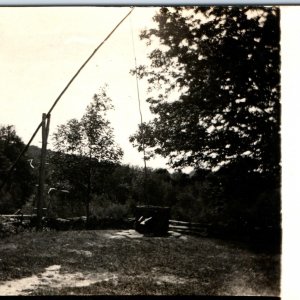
<point x="140" y="111"/>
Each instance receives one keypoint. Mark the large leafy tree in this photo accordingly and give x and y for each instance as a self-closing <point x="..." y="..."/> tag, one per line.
<point x="20" y="185"/>
<point x="84" y="147"/>
<point x="214" y="87"/>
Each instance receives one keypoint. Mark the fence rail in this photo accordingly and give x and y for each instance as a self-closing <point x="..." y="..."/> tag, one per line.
<point x="174" y="225"/>
<point x="188" y="228"/>
<point x="19" y="216"/>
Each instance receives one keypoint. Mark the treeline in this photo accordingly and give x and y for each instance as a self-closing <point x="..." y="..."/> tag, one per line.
<point x="231" y="200"/>
<point x="20" y="184"/>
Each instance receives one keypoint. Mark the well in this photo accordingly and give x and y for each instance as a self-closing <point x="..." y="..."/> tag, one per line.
<point x="152" y="220"/>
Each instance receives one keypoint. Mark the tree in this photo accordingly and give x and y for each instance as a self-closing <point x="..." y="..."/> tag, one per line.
<point x="215" y="87"/>
<point x="20" y="185"/>
<point x="82" y="145"/>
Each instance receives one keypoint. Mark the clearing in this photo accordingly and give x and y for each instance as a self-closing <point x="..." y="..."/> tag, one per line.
<point x="123" y="262"/>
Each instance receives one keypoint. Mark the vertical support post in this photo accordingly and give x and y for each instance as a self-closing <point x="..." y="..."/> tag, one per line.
<point x="40" y="199"/>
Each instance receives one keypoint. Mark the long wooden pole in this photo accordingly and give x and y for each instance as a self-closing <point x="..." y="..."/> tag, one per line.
<point x="40" y="198"/>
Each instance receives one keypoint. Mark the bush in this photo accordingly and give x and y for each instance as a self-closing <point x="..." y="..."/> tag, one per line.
<point x="102" y="207"/>
<point x="7" y="229"/>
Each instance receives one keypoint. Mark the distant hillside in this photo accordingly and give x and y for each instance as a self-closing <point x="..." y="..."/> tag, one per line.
<point x="35" y="152"/>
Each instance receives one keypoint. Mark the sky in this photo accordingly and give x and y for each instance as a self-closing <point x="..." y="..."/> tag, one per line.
<point x="42" y="48"/>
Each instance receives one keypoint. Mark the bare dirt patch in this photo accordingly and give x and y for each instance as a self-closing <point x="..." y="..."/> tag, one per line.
<point x="52" y="278"/>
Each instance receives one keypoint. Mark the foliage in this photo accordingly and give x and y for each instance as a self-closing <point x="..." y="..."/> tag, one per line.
<point x="86" y="149"/>
<point x="104" y="208"/>
<point x="214" y="83"/>
<point x="92" y="136"/>
<point x="20" y="184"/>
<point x="231" y="201"/>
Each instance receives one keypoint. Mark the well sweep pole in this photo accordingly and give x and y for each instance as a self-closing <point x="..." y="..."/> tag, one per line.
<point x="40" y="198"/>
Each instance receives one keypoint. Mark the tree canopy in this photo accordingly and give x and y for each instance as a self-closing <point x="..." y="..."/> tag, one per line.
<point x="92" y="136"/>
<point x="214" y="86"/>
<point x="85" y="149"/>
<point x="20" y="185"/>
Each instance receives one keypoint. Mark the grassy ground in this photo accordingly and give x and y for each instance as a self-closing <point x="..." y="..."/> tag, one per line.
<point x="131" y="266"/>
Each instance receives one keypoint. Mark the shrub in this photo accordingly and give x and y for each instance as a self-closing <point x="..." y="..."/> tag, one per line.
<point x="102" y="207"/>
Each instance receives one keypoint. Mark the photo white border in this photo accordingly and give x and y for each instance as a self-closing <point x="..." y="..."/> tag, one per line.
<point x="290" y="149"/>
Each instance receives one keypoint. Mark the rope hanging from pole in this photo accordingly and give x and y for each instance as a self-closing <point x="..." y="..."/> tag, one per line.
<point x="140" y="111"/>
<point x="58" y="98"/>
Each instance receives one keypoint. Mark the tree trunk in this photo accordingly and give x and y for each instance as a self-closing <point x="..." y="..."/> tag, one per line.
<point x="87" y="207"/>
<point x="88" y="199"/>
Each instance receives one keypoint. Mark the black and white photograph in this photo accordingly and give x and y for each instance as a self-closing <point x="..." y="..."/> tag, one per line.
<point x="140" y="149"/>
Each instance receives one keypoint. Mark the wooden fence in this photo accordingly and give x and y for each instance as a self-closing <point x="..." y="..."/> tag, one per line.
<point x="185" y="227"/>
<point x="174" y="225"/>
<point x="188" y="228"/>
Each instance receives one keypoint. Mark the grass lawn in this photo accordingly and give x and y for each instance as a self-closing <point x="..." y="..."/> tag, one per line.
<point x="111" y="262"/>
